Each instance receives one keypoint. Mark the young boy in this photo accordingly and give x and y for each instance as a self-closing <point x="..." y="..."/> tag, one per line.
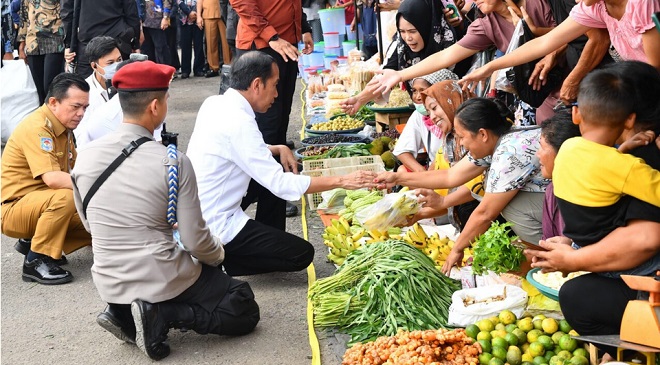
<point x="591" y="178"/>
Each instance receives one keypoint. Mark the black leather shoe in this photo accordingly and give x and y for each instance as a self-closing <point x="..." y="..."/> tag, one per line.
<point x="23" y="247"/>
<point x="212" y="74"/>
<point x="44" y="271"/>
<point x="113" y="322"/>
<point x="150" y="330"/>
<point x="185" y="76"/>
<point x="291" y="210"/>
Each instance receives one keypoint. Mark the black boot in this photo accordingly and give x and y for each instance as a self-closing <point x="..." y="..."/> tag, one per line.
<point x="117" y="321"/>
<point x="150" y="329"/>
<point x="178" y="315"/>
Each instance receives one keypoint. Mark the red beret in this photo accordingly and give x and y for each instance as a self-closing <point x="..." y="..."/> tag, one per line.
<point x="143" y="76"/>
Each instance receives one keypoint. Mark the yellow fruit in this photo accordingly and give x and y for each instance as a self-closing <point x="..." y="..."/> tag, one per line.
<point x="507" y="317"/>
<point x="573" y="333"/>
<point x="538" y="324"/>
<point x="496" y="361"/>
<point x="485" y="325"/>
<point x="550" y="325"/>
<point x="526" y="324"/>
<point x="494" y="319"/>
<point x="483" y="335"/>
<point x="499" y="333"/>
<point x="500" y="326"/>
<point x="556" y="336"/>
<point x="527" y="357"/>
<point x="533" y="335"/>
<point x="581" y="351"/>
<point x="565" y="354"/>
<point x="536" y="349"/>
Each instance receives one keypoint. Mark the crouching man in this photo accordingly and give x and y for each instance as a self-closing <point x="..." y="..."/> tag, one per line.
<point x="151" y="283"/>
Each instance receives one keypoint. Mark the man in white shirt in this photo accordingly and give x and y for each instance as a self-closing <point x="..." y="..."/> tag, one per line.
<point x="104" y="56"/>
<point x="227" y="150"/>
<point x="106" y="116"/>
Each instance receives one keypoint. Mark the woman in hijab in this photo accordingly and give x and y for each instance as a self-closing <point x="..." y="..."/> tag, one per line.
<point x="441" y="101"/>
<point x="422" y="31"/>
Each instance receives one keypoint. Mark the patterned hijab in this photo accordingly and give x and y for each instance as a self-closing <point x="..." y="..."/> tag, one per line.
<point x="449" y="95"/>
<point x="427" y="17"/>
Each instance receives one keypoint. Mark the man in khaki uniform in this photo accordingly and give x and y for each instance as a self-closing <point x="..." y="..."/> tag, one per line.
<point x="37" y="200"/>
<point x="210" y="19"/>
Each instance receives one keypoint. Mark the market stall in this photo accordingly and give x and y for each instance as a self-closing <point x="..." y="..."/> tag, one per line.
<point x="388" y="293"/>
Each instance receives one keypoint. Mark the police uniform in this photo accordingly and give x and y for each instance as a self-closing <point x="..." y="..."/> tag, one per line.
<point x="40" y="144"/>
<point x="132" y="238"/>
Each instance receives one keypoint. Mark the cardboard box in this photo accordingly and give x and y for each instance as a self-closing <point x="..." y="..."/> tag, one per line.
<point x="385" y="121"/>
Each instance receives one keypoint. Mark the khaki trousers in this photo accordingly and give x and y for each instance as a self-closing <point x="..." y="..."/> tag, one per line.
<point x="50" y="218"/>
<point x="215" y="30"/>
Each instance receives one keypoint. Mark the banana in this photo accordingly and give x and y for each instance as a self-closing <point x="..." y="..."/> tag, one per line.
<point x="419" y="231"/>
<point x="359" y="234"/>
<point x="336" y="259"/>
<point x="329" y="243"/>
<point x="345" y="224"/>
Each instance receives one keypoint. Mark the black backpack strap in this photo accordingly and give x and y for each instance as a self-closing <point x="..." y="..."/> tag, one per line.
<point x="113" y="166"/>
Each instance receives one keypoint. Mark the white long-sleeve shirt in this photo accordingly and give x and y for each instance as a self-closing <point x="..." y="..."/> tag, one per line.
<point x="227" y="150"/>
<point x="97" y="97"/>
<point x="416" y="137"/>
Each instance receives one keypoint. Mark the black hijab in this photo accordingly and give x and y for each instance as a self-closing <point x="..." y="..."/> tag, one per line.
<point x="427" y="17"/>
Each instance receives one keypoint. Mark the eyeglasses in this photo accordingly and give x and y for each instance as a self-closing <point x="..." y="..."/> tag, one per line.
<point x="562" y="106"/>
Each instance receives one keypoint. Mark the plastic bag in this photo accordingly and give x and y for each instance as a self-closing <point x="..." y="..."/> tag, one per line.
<point x="333" y="200"/>
<point x="502" y="82"/>
<point x="538" y="303"/>
<point x="479" y="60"/>
<point x="391" y="211"/>
<point x="460" y="315"/>
<point x="18" y="95"/>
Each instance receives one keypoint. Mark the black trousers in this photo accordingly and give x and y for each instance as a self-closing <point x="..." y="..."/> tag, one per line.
<point x="192" y="38"/>
<point x="172" y="43"/>
<point x="259" y="249"/>
<point x="222" y="305"/>
<point x="594" y="305"/>
<point x="273" y="125"/>
<point x="155" y="46"/>
<point x="44" y="68"/>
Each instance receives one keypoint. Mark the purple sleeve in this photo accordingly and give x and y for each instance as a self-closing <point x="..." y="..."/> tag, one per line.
<point x="477" y="37"/>
<point x="552" y="222"/>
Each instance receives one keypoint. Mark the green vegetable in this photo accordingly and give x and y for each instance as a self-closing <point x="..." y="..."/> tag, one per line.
<point x="494" y="251"/>
<point x="365" y="114"/>
<point x="357" y="149"/>
<point x="381" y="288"/>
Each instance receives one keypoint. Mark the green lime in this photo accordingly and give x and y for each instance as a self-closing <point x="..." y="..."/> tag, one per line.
<point x="500" y="326"/>
<point x="533" y="335"/>
<point x="540" y="360"/>
<point x="546" y="341"/>
<point x="567" y="343"/>
<point x="485" y="358"/>
<point x="513" y="356"/>
<point x="581" y="351"/>
<point x="500" y="342"/>
<point x="536" y="349"/>
<point x="496" y="361"/>
<point x="485" y="325"/>
<point x="548" y="355"/>
<point x="579" y="360"/>
<point x="522" y="336"/>
<point x="526" y="324"/>
<point x="511" y="339"/>
<point x="565" y="354"/>
<point x="472" y="331"/>
<point x="499" y="352"/>
<point x="510" y="327"/>
<point x="486" y="346"/>
<point x="564" y="326"/>
<point x="556" y="336"/>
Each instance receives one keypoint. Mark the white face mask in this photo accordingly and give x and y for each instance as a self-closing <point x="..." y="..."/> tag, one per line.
<point x="109" y="71"/>
<point x="421" y="109"/>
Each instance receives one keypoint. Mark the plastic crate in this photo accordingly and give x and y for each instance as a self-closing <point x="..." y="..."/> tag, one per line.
<point x="321" y="168"/>
<point x="329" y="163"/>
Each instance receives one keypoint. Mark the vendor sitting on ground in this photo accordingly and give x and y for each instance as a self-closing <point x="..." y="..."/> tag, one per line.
<point x="227" y="150"/>
<point x="420" y="132"/>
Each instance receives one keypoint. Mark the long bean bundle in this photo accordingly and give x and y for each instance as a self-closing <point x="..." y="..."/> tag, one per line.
<point x="381" y="288"/>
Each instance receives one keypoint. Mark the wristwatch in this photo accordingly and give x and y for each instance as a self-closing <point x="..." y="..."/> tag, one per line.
<point x="274" y="38"/>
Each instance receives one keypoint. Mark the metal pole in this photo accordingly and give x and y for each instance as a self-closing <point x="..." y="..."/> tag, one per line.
<point x="359" y="11"/>
<point x="380" y="33"/>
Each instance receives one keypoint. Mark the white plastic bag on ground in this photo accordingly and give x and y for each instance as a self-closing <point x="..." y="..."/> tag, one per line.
<point x="18" y="95"/>
<point x="461" y="315"/>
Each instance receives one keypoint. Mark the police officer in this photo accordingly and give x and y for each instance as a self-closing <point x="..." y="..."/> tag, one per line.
<point x="37" y="200"/>
<point x="150" y="282"/>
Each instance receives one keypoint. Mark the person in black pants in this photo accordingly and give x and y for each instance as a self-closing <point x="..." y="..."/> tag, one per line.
<point x="172" y="37"/>
<point x="192" y="38"/>
<point x="156" y="21"/>
<point x="41" y="41"/>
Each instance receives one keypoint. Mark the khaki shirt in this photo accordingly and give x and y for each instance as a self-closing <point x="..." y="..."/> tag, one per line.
<point x="135" y="255"/>
<point x="211" y="9"/>
<point x="39" y="144"/>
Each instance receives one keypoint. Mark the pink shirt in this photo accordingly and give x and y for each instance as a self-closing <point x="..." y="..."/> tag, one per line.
<point x="625" y="34"/>
<point x="493" y="29"/>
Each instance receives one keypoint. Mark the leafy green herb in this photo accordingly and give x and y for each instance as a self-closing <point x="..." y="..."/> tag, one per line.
<point x="365" y="114"/>
<point x="494" y="251"/>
